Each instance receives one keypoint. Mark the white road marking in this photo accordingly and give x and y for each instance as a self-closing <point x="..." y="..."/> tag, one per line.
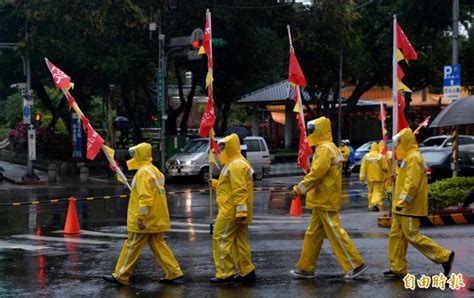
<point x="7" y="245"/>
<point x="61" y="239"/>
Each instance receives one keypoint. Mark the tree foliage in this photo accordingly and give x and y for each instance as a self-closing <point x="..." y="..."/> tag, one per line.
<point x="104" y="43"/>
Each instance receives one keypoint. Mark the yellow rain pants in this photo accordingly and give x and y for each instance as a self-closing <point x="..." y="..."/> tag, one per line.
<point x="231" y="249"/>
<point x="406" y="229"/>
<point x="132" y="249"/>
<point x="326" y="224"/>
<point x="375" y="193"/>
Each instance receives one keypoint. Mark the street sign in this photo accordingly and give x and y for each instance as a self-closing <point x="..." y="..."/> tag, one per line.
<point x="31" y="143"/>
<point x="26" y="114"/>
<point x="452" y="81"/>
<point x="77" y="143"/>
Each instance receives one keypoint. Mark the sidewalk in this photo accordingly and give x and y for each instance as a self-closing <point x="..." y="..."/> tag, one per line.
<point x="285" y="169"/>
<point x="14" y="173"/>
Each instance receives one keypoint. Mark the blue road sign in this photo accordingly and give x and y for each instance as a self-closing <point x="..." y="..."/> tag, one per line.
<point x="452" y="75"/>
<point x="26" y="111"/>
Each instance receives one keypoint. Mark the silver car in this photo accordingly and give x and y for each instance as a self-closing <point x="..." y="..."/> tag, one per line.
<point x="193" y="159"/>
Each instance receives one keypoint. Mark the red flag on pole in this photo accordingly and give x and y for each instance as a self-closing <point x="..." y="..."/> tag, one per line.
<point x="70" y="100"/>
<point x="296" y="78"/>
<point x="304" y="150"/>
<point x="60" y="79"/>
<point x="426" y="122"/>
<point x="208" y="118"/>
<point x="402" y="121"/>
<point x="207" y="40"/>
<point x="404" y="44"/>
<point x="94" y="143"/>
<point x="85" y="122"/>
<point x="295" y="74"/>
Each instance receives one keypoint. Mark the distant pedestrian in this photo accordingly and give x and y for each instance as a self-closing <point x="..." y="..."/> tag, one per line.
<point x="147" y="220"/>
<point x="374" y="170"/>
<point x="322" y="187"/>
<point x="346" y="153"/>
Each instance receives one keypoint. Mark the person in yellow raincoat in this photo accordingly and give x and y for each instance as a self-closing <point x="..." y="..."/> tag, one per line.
<point x="410" y="202"/>
<point x="234" y="196"/>
<point x="147" y="220"/>
<point x="322" y="187"/>
<point x="374" y="170"/>
<point x="346" y="152"/>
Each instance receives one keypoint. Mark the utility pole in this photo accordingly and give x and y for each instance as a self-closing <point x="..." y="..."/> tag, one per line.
<point x="455" y="58"/>
<point x="30" y="174"/>
<point x="339" y="113"/>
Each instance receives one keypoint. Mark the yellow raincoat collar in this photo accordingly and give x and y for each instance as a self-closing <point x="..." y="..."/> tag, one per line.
<point x="231" y="149"/>
<point x="407" y="144"/>
<point x="322" y="132"/>
<point x="142" y="156"/>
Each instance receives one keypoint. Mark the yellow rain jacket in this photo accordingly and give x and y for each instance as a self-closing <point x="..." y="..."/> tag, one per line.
<point x="345" y="152"/>
<point x="411" y="186"/>
<point x="374" y="166"/>
<point x="235" y="184"/>
<point x="148" y="197"/>
<point x="322" y="185"/>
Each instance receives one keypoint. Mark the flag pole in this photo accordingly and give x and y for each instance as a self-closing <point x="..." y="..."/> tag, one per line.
<point x="210" y="91"/>
<point x="80" y="114"/>
<point x="394" y="103"/>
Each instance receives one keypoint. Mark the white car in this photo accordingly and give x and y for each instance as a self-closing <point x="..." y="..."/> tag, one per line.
<point x="444" y="141"/>
<point x="193" y="159"/>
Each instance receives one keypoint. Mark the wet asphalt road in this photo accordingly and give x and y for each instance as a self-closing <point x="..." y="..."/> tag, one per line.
<point x="37" y="260"/>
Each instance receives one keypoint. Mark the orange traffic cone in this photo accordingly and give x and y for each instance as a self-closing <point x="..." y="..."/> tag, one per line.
<point x="296" y="209"/>
<point x="72" y="223"/>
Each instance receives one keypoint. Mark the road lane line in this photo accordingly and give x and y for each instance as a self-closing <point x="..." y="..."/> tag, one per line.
<point x="7" y="245"/>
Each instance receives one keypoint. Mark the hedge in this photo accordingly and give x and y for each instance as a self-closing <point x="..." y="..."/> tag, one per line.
<point x="448" y="192"/>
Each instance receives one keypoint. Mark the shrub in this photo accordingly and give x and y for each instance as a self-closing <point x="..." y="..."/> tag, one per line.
<point x="448" y="192"/>
<point x="49" y="144"/>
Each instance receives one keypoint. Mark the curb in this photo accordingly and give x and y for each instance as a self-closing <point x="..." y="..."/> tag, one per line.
<point x="446" y="218"/>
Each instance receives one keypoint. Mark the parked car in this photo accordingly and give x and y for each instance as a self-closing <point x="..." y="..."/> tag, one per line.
<point x="363" y="150"/>
<point x="439" y="161"/>
<point x="193" y="159"/>
<point x="444" y="141"/>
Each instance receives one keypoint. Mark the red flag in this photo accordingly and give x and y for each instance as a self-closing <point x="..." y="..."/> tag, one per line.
<point x="304" y="150"/>
<point x="400" y="72"/>
<point x="94" y="142"/>
<point x="208" y="118"/>
<point x="402" y="121"/>
<point x="404" y="44"/>
<point x="60" y="79"/>
<point x="295" y="74"/>
<point x="70" y="100"/>
<point x="214" y="146"/>
<point x="85" y="123"/>
<point x="425" y="122"/>
<point x="207" y="40"/>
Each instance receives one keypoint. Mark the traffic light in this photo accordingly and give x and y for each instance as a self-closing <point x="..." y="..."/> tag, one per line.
<point x="154" y="118"/>
<point x="197" y="43"/>
<point x="219" y="42"/>
<point x="38" y="117"/>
